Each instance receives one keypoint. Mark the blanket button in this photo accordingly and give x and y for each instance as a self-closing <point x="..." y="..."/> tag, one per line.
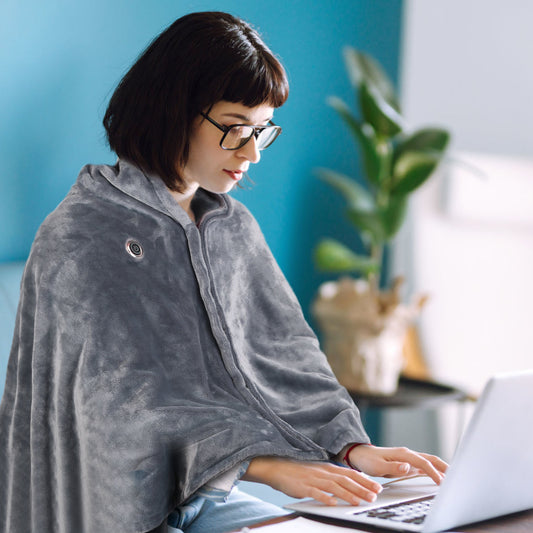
<point x="134" y="249"/>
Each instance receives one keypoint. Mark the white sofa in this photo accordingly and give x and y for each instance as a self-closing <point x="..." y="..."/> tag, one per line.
<point x="10" y="276"/>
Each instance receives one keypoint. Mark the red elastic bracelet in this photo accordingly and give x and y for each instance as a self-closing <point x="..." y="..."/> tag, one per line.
<point x="346" y="457"/>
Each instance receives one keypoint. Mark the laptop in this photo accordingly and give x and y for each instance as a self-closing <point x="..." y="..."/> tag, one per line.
<point x="491" y="473"/>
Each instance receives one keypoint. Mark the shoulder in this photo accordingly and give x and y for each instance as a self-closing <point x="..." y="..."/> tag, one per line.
<point x="88" y="231"/>
<point x="236" y="206"/>
<point x="241" y="221"/>
<point x="239" y="211"/>
<point x="80" y="216"/>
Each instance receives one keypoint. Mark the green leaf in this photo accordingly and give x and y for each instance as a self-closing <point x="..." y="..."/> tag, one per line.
<point x="425" y="140"/>
<point x="385" y="153"/>
<point x="411" y="170"/>
<point x="393" y="215"/>
<point x="356" y="196"/>
<point x="363" y="68"/>
<point x="370" y="224"/>
<point x="378" y="112"/>
<point x="333" y="256"/>
<point x="365" y="136"/>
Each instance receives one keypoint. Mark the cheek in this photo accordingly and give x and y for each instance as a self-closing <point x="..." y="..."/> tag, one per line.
<point x="203" y="163"/>
<point x="204" y="151"/>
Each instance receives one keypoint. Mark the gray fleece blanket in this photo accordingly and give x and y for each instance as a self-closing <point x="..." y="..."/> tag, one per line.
<point x="151" y="355"/>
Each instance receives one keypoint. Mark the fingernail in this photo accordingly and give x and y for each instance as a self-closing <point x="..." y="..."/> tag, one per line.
<point x="404" y="468"/>
<point x="371" y="497"/>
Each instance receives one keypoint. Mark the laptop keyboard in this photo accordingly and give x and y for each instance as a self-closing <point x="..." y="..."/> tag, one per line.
<point x="411" y="512"/>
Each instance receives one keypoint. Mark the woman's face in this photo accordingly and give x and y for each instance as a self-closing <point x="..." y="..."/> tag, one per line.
<point x="211" y="167"/>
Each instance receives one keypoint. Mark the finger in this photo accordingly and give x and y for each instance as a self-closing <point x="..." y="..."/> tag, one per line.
<point x="398" y="469"/>
<point x="325" y="483"/>
<point x="437" y="462"/>
<point x="402" y="469"/>
<point x="337" y="480"/>
<point x="419" y="461"/>
<point x="346" y="489"/>
<point x="355" y="475"/>
<point x="322" y="497"/>
<point x="363" y="480"/>
<point x="367" y="491"/>
<point x="403" y="461"/>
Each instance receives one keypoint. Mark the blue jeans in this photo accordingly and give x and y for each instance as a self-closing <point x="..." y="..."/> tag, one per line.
<point x="201" y="515"/>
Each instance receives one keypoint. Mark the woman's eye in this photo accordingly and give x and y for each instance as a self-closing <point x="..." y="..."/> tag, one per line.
<point x="237" y="131"/>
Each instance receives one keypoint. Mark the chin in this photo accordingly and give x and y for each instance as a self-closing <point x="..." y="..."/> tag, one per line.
<point x="224" y="189"/>
<point x="220" y="185"/>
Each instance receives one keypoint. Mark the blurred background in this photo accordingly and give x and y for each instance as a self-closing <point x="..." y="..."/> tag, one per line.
<point x="460" y="64"/>
<point x="61" y="60"/>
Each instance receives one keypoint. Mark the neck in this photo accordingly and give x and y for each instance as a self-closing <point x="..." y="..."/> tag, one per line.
<point x="184" y="199"/>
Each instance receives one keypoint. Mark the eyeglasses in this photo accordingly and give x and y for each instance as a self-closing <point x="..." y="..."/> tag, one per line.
<point x="237" y="135"/>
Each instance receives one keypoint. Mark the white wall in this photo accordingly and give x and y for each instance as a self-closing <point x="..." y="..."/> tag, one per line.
<point x="469" y="241"/>
<point x="467" y="64"/>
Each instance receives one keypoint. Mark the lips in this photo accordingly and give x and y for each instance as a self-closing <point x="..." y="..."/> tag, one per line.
<point x="235" y="175"/>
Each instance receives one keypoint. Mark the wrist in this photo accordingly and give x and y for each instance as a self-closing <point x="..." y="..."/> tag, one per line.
<point x="347" y="458"/>
<point x="258" y="469"/>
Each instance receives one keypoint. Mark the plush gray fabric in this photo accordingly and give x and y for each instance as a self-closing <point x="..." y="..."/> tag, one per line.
<point x="134" y="381"/>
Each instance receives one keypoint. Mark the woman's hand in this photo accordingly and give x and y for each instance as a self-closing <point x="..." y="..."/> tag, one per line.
<point x="322" y="481"/>
<point x="326" y="482"/>
<point x="396" y="462"/>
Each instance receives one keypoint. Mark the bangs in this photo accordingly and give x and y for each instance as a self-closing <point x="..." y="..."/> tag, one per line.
<point x="262" y="82"/>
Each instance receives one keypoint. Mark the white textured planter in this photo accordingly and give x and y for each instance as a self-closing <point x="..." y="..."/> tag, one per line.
<point x="363" y="334"/>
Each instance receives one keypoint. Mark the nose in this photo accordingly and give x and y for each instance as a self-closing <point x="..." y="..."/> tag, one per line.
<point x="250" y="151"/>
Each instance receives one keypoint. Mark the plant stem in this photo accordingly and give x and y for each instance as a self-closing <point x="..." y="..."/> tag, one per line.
<point x="376" y="253"/>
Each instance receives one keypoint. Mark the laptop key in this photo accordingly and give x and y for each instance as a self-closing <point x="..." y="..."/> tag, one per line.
<point x="381" y="514"/>
<point x="415" y="520"/>
<point x="413" y="512"/>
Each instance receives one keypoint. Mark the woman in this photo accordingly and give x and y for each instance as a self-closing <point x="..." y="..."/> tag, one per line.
<point x="159" y="354"/>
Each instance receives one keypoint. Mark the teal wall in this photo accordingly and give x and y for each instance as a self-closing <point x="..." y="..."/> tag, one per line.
<point x="60" y="60"/>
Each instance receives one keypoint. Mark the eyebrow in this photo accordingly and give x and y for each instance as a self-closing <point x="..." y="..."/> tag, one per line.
<point x="243" y="117"/>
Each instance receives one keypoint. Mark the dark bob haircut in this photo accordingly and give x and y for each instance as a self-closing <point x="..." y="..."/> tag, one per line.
<point x="200" y="59"/>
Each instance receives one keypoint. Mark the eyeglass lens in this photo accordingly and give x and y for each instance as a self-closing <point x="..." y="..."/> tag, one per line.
<point x="237" y="136"/>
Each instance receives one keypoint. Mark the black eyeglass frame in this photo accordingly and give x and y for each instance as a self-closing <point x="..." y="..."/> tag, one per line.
<point x="256" y="131"/>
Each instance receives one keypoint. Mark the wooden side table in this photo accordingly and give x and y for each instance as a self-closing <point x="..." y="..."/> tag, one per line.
<point x="412" y="393"/>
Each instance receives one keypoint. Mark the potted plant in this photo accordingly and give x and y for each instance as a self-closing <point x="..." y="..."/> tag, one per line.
<point x="362" y="320"/>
